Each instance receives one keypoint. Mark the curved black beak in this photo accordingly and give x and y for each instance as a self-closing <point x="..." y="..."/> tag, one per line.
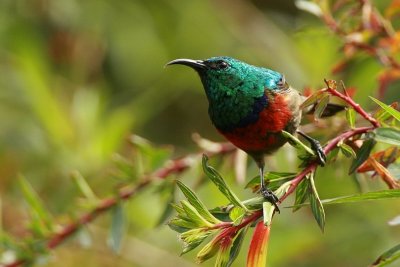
<point x="195" y="64"/>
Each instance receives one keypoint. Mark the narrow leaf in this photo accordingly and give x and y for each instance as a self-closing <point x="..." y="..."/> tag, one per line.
<point x="257" y="255"/>
<point x="271" y="178"/>
<point x="362" y="154"/>
<point x="268" y="212"/>
<point x="351" y="117"/>
<point x="236" y="215"/>
<point x="388" y="257"/>
<point x="312" y="99"/>
<point x="316" y="205"/>
<point x="197" y="203"/>
<point x="388" y="109"/>
<point x="194" y="215"/>
<point x="193" y="238"/>
<point x="117" y="228"/>
<point x="301" y="194"/>
<point x="375" y="195"/>
<point x="216" y="178"/>
<point x="83" y="186"/>
<point x="388" y="136"/>
<point x="347" y="151"/>
<point x="37" y="208"/>
<point x="236" y="246"/>
<point x="208" y="251"/>
<point x="294" y="141"/>
<point x="319" y="109"/>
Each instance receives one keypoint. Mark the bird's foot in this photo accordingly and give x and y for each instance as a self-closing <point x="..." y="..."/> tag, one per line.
<point x="316" y="147"/>
<point x="270" y="197"/>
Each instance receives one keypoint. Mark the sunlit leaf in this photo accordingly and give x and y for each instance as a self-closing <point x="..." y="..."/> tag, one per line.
<point x="389" y="109"/>
<point x="194" y="215"/>
<point x="236" y="215"/>
<point x="216" y="178"/>
<point x="319" y="109"/>
<point x="193" y="238"/>
<point x="208" y="251"/>
<point x="362" y="154"/>
<point x="388" y="136"/>
<point x="388" y="257"/>
<point x="197" y="203"/>
<point x="351" y="117"/>
<point x="347" y="150"/>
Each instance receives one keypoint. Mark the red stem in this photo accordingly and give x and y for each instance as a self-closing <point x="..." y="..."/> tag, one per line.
<point x="170" y="167"/>
<point x="353" y="104"/>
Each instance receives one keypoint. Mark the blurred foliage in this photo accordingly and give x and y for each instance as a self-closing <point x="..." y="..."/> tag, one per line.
<point x="78" y="77"/>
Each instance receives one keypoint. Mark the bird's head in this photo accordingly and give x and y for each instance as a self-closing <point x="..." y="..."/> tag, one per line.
<point x="230" y="73"/>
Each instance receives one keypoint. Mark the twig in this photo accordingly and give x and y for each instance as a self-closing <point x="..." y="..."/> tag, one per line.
<point x="332" y="90"/>
<point x="170" y="167"/>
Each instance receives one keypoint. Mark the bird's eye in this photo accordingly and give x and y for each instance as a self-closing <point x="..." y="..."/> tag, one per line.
<point x="221" y="65"/>
<point x="282" y="82"/>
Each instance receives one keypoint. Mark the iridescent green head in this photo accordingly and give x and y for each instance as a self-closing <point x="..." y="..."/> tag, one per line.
<point x="234" y="88"/>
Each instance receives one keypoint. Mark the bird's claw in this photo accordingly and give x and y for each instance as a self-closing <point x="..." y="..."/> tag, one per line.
<point x="270" y="197"/>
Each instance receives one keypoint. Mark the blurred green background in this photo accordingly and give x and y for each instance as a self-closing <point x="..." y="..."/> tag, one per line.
<point x="78" y="77"/>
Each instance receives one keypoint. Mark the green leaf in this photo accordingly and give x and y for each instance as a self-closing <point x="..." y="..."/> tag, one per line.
<point x="316" y="205"/>
<point x="197" y="203"/>
<point x="216" y="178"/>
<point x="181" y="225"/>
<point x="351" y="117"/>
<point x="302" y="191"/>
<point x="347" y="150"/>
<point x="236" y="215"/>
<point x="41" y="218"/>
<point x="388" y="109"/>
<point x="117" y="228"/>
<point x="304" y="150"/>
<point x="375" y="195"/>
<point x="208" y="251"/>
<point x="84" y="187"/>
<point x="313" y="99"/>
<point x="193" y="238"/>
<point x="236" y="245"/>
<point x="387" y="257"/>
<point x="319" y="109"/>
<point x="388" y="136"/>
<point x="268" y="212"/>
<point x="194" y="215"/>
<point x="362" y="154"/>
<point x="271" y="178"/>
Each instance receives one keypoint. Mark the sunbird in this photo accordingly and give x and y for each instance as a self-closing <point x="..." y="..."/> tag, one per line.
<point x="251" y="106"/>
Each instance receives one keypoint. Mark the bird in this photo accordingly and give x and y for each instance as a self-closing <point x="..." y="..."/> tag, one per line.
<point x="251" y="106"/>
